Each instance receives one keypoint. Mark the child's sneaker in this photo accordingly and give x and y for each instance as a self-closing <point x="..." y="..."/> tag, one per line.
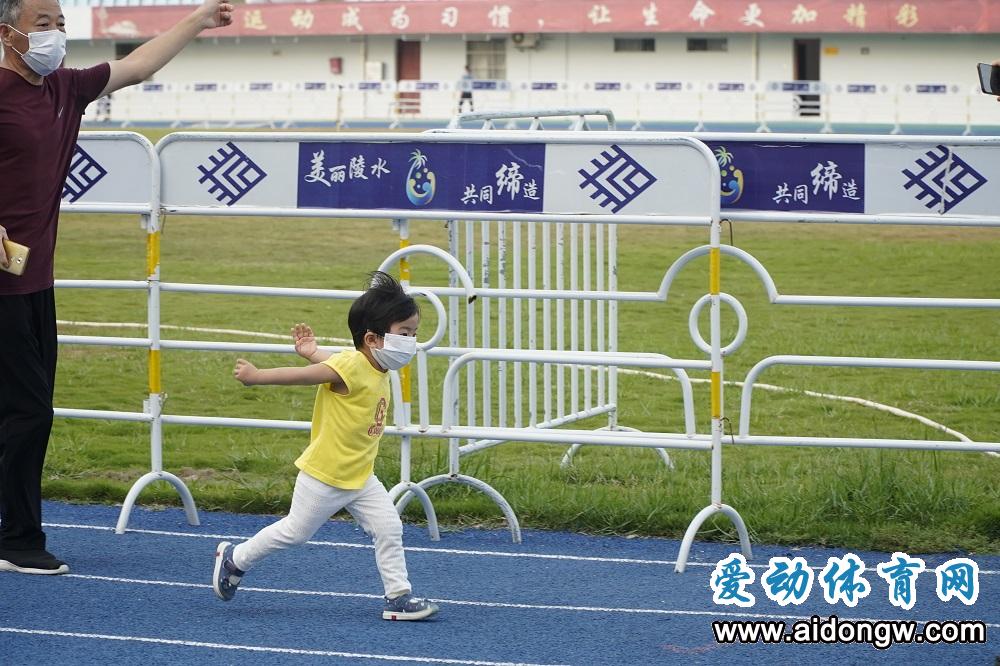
<point x="226" y="577"/>
<point x="408" y="607"/>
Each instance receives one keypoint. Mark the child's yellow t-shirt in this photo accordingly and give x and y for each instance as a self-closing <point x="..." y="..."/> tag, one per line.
<point x="346" y="429"/>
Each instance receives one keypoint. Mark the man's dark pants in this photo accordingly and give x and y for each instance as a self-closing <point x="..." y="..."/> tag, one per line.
<point x="27" y="377"/>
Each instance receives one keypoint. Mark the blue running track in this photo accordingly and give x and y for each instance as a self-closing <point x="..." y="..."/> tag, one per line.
<point x="145" y="598"/>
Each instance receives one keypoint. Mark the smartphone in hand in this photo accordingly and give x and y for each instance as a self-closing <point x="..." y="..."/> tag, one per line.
<point x="17" y="256"/>
<point x="989" y="78"/>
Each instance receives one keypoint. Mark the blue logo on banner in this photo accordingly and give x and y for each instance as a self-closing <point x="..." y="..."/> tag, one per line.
<point x="84" y="173"/>
<point x="943" y="180"/>
<point x="420" y="180"/>
<point x="230" y="174"/>
<point x="432" y="176"/>
<point x="617" y="179"/>
<point x="813" y="177"/>
<point x="732" y="176"/>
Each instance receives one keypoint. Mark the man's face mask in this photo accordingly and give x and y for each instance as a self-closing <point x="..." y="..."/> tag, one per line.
<point x="396" y="351"/>
<point x="46" y="50"/>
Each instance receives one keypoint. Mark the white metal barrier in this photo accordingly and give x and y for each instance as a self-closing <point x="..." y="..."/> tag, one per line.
<point x="651" y="173"/>
<point x="119" y="172"/>
<point x="930" y="181"/>
<point x="278" y="175"/>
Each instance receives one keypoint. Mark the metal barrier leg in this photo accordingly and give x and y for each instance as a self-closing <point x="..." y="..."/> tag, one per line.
<point x="140" y="485"/>
<point x="481" y="486"/>
<point x="567" y="458"/>
<point x="404" y="489"/>
<point x="692" y="530"/>
<point x="665" y="457"/>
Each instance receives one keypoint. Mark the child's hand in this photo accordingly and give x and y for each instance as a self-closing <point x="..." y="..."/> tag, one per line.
<point x="244" y="372"/>
<point x="305" y="341"/>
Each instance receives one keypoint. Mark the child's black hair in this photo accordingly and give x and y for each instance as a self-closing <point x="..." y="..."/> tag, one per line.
<point x="382" y="305"/>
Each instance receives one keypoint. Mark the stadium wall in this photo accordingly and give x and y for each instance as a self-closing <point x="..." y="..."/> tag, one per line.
<point x="579" y="58"/>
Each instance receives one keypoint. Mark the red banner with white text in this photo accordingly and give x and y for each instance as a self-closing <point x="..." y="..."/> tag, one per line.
<point x="472" y="17"/>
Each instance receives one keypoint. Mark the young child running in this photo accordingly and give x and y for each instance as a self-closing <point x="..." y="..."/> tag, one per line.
<point x="336" y="470"/>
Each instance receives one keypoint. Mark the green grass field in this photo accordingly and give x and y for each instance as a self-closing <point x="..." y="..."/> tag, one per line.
<point x="908" y="500"/>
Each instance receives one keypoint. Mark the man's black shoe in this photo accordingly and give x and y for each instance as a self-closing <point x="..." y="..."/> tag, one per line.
<point x="39" y="562"/>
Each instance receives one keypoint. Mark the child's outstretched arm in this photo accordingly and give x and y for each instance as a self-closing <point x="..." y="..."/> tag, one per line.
<point x="310" y="375"/>
<point x="305" y="344"/>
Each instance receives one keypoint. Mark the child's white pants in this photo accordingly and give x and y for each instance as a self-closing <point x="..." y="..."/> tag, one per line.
<point x="313" y="502"/>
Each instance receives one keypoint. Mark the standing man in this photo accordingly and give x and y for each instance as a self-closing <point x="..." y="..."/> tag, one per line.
<point x="466" y="86"/>
<point x="41" y="104"/>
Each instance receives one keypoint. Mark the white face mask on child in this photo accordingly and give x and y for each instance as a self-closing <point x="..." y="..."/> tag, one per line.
<point x="396" y="351"/>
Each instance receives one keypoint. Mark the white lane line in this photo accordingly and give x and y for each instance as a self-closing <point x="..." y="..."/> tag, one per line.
<point x="445" y="551"/>
<point x="260" y="648"/>
<point x="489" y="604"/>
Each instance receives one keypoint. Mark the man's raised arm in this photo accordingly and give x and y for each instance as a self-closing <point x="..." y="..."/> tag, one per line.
<point x="149" y="58"/>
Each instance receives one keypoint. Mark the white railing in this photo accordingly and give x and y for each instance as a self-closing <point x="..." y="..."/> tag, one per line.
<point x="695" y="105"/>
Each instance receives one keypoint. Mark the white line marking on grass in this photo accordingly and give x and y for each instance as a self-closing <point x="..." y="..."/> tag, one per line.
<point x="889" y="409"/>
<point x="259" y="648"/>
<point x="443" y="551"/>
<point x="492" y="604"/>
<point x="196" y="329"/>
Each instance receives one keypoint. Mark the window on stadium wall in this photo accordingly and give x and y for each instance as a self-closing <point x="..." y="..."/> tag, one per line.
<point x="707" y="44"/>
<point x="487" y="59"/>
<point x="634" y="44"/>
<point x="122" y="49"/>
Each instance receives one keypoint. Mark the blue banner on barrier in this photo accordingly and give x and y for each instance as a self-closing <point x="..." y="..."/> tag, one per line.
<point x="816" y="177"/>
<point x="473" y="177"/>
